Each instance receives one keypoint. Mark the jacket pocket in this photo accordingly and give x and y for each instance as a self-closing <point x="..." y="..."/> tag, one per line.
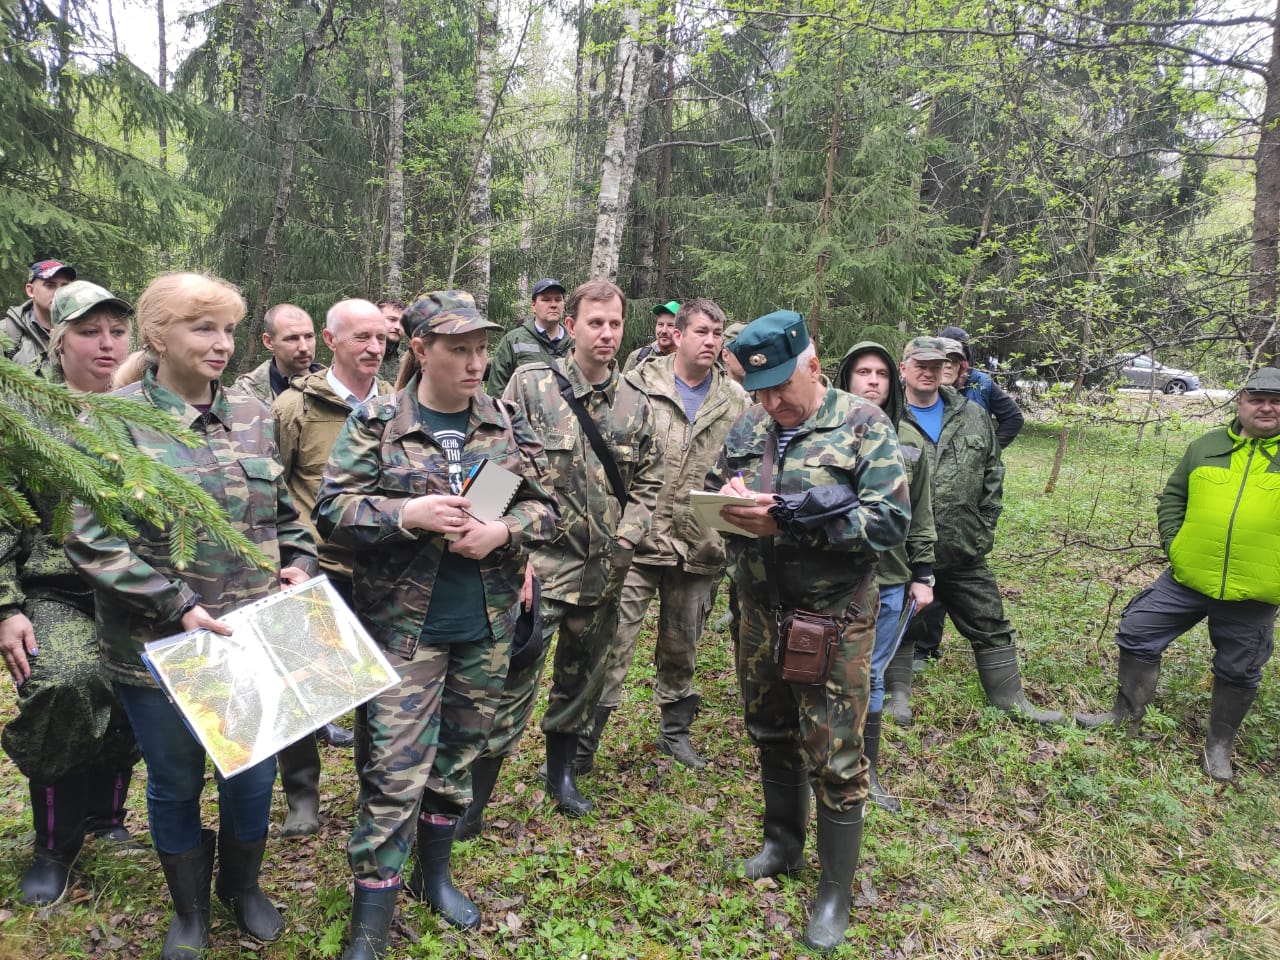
<point x="262" y="478"/>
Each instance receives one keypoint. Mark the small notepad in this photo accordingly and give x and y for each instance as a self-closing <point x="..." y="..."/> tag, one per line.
<point x="490" y="488"/>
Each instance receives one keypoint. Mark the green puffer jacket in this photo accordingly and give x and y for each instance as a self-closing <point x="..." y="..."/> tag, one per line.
<point x="968" y="481"/>
<point x="1219" y="517"/>
<point x="914" y="558"/>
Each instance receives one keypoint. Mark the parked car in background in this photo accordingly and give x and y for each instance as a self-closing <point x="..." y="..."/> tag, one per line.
<point x="1139" y="370"/>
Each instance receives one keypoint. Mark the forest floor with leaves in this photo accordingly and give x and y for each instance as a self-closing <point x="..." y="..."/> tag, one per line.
<point x="1013" y="841"/>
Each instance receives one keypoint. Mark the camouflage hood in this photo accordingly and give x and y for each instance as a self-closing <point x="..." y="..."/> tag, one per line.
<point x="896" y="405"/>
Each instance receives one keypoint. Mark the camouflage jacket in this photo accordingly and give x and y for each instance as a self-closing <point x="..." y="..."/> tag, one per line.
<point x="847" y="442"/>
<point x="29" y="344"/>
<point x="32" y="561"/>
<point x="384" y="457"/>
<point x="309" y="416"/>
<point x="639" y="355"/>
<point x="139" y="595"/>
<point x="574" y="566"/>
<point x="914" y="558"/>
<point x="686" y="452"/>
<point x="968" y="481"/>
<point x="523" y="345"/>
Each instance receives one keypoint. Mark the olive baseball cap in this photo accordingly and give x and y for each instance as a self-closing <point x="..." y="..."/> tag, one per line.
<point x="768" y="347"/>
<point x="78" y="297"/>
<point x="732" y="332"/>
<point x="671" y="306"/>
<point x="953" y="348"/>
<point x="924" y="348"/>
<point x="445" y="312"/>
<point x="1264" y="380"/>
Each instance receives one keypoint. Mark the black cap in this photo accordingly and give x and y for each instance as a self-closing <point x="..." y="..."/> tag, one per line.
<point x="545" y="284"/>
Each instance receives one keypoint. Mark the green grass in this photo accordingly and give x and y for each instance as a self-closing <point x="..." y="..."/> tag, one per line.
<point x="1013" y="841"/>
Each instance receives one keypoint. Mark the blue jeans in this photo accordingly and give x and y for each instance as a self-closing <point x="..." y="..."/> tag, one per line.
<point x="175" y="777"/>
<point x="891" y="599"/>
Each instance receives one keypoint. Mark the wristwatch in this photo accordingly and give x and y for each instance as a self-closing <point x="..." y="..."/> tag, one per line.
<point x="928" y="581"/>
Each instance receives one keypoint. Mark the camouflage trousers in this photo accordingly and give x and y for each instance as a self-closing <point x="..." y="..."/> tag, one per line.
<point x="684" y="599"/>
<point x="415" y="745"/>
<point x="583" y="638"/>
<point x="68" y="717"/>
<point x="971" y="597"/>
<point x="815" y="728"/>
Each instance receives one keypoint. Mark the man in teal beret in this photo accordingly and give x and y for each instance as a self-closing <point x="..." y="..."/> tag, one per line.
<point x="828" y="493"/>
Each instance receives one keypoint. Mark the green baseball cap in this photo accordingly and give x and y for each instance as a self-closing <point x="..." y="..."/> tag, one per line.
<point x="445" y="312"/>
<point x="768" y="347"/>
<point x="671" y="306"/>
<point x="925" y="348"/>
<point x="78" y="297"/>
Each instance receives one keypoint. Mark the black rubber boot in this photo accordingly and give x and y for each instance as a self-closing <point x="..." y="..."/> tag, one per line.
<point x="188" y="875"/>
<point x="372" y="909"/>
<point x="674" y="741"/>
<point x="336" y="736"/>
<point x="105" y="795"/>
<point x="871" y="747"/>
<point x="431" y="881"/>
<point x="484" y="775"/>
<point x="584" y="760"/>
<point x="1137" y="689"/>
<point x="786" y="817"/>
<point x="1002" y="681"/>
<point x="237" y="887"/>
<point x="561" y="748"/>
<point x="897" y="685"/>
<point x="299" y="765"/>
<point x="839" y="844"/>
<point x="1226" y="712"/>
<point x="57" y="812"/>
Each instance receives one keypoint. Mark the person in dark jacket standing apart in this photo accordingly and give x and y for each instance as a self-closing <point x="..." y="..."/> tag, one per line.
<point x="188" y="321"/>
<point x="978" y="386"/>
<point x="968" y="484"/>
<point x="439" y="590"/>
<point x="906" y="572"/>
<point x="826" y="475"/>
<point x="1219" y="519"/>
<point x="540" y="339"/>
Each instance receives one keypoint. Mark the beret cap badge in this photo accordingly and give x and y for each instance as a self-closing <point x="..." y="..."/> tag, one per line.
<point x="758" y="360"/>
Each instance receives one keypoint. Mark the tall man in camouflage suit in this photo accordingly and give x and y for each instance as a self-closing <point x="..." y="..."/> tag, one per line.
<point x="27" y="325"/>
<point x="825" y="474"/>
<point x="582" y="570"/>
<point x="291" y="337"/>
<point x="694" y="403"/>
<point x="309" y="416"/>
<point x="968" y="481"/>
<point x="540" y="339"/>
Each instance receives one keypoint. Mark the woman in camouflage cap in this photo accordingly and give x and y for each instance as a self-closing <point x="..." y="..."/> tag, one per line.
<point x="439" y="590"/>
<point x="70" y="739"/>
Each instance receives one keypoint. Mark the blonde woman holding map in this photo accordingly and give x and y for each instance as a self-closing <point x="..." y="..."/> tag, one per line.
<point x="187" y="322"/>
<point x="440" y="590"/>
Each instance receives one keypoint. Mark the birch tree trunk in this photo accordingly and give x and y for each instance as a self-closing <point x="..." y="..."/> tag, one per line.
<point x="394" y="282"/>
<point x="628" y="99"/>
<point x="250" y="99"/>
<point x="162" y="78"/>
<point x="480" y="200"/>
<point x="285" y="178"/>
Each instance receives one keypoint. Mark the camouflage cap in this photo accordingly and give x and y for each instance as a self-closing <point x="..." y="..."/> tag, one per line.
<point x="445" y="312"/>
<point x="44" y="269"/>
<point x="78" y="297"/>
<point x="1264" y="380"/>
<point x="952" y="348"/>
<point x="768" y="347"/>
<point x="924" y="348"/>
<point x="732" y="331"/>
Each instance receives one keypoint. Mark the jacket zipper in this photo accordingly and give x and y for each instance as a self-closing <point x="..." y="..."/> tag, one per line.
<point x="1231" y="523"/>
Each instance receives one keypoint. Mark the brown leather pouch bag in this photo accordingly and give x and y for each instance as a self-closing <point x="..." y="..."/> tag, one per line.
<point x="805" y="646"/>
